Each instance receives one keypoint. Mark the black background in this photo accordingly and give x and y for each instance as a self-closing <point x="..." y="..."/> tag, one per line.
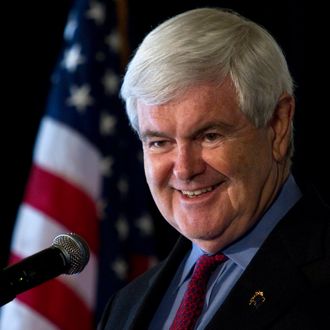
<point x="31" y="40"/>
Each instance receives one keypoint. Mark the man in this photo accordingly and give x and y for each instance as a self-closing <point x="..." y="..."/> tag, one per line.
<point x="211" y="98"/>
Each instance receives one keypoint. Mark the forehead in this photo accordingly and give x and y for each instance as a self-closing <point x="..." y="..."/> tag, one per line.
<point x="198" y="106"/>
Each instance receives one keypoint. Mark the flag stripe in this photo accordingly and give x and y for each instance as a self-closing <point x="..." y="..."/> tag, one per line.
<point x="24" y="244"/>
<point x="54" y="292"/>
<point x="64" y="202"/>
<point x="18" y="316"/>
<point x="59" y="149"/>
<point x="32" y="222"/>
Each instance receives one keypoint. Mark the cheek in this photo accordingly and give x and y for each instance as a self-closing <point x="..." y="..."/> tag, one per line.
<point x="250" y="170"/>
<point x="156" y="171"/>
<point x="244" y="165"/>
<point x="157" y="174"/>
<point x="224" y="160"/>
<point x="149" y="171"/>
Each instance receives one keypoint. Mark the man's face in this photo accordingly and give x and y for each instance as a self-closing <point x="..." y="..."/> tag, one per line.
<point x="210" y="170"/>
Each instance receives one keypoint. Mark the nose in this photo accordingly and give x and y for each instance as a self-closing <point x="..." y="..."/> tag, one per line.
<point x="188" y="162"/>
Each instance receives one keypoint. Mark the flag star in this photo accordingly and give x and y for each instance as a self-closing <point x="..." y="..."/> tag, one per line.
<point x="72" y="58"/>
<point x="70" y="29"/>
<point x="122" y="186"/>
<point x="145" y="225"/>
<point x="110" y="82"/>
<point x="113" y="41"/>
<point x="122" y="228"/>
<point x="106" y="166"/>
<point x="80" y="97"/>
<point x="120" y="267"/>
<point x="107" y="124"/>
<point x="96" y="12"/>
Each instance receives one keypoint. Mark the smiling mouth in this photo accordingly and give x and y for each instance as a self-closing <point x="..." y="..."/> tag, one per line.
<point x="198" y="192"/>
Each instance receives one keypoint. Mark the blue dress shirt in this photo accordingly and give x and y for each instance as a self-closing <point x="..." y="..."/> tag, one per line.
<point x="227" y="274"/>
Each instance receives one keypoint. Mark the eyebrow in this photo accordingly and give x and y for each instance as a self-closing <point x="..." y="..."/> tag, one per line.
<point x="151" y="133"/>
<point x="208" y="126"/>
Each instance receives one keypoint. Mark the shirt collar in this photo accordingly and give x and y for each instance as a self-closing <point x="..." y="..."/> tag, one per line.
<point x="242" y="251"/>
<point x="195" y="253"/>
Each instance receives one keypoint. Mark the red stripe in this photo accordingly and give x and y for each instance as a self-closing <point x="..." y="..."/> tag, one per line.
<point x="63" y="202"/>
<point x="60" y="305"/>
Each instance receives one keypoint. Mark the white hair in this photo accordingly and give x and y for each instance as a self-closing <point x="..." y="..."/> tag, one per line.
<point x="208" y="45"/>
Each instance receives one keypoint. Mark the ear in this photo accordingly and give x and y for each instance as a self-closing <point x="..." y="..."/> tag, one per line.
<point x="281" y="124"/>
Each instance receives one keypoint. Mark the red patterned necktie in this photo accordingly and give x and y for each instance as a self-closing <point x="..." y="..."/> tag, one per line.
<point x="193" y="300"/>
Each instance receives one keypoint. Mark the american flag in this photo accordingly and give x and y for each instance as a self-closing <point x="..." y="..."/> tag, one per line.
<point x="86" y="178"/>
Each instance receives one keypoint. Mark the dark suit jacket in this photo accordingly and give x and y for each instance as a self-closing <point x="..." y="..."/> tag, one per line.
<point x="292" y="269"/>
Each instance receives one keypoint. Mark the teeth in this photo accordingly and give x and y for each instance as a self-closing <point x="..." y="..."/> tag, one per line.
<point x="195" y="193"/>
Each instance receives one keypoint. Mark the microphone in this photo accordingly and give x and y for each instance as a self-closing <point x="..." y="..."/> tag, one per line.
<point x="69" y="254"/>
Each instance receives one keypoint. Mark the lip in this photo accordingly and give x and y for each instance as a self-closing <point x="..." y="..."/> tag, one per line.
<point x="197" y="194"/>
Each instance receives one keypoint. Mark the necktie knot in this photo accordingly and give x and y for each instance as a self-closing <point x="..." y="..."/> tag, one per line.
<point x="193" y="301"/>
<point x="206" y="264"/>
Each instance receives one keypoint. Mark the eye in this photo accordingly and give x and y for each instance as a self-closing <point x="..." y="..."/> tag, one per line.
<point x="211" y="137"/>
<point x="157" y="144"/>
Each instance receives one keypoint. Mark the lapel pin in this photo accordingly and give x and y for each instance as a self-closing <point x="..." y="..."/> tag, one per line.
<point x="257" y="299"/>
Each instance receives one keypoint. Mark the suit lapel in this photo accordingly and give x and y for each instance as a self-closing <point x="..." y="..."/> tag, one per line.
<point x="158" y="285"/>
<point x="275" y="277"/>
<point x="265" y="290"/>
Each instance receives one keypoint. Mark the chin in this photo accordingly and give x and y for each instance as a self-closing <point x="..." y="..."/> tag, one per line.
<point x="201" y="234"/>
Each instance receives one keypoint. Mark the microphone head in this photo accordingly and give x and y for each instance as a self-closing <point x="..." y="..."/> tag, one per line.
<point x="75" y="249"/>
